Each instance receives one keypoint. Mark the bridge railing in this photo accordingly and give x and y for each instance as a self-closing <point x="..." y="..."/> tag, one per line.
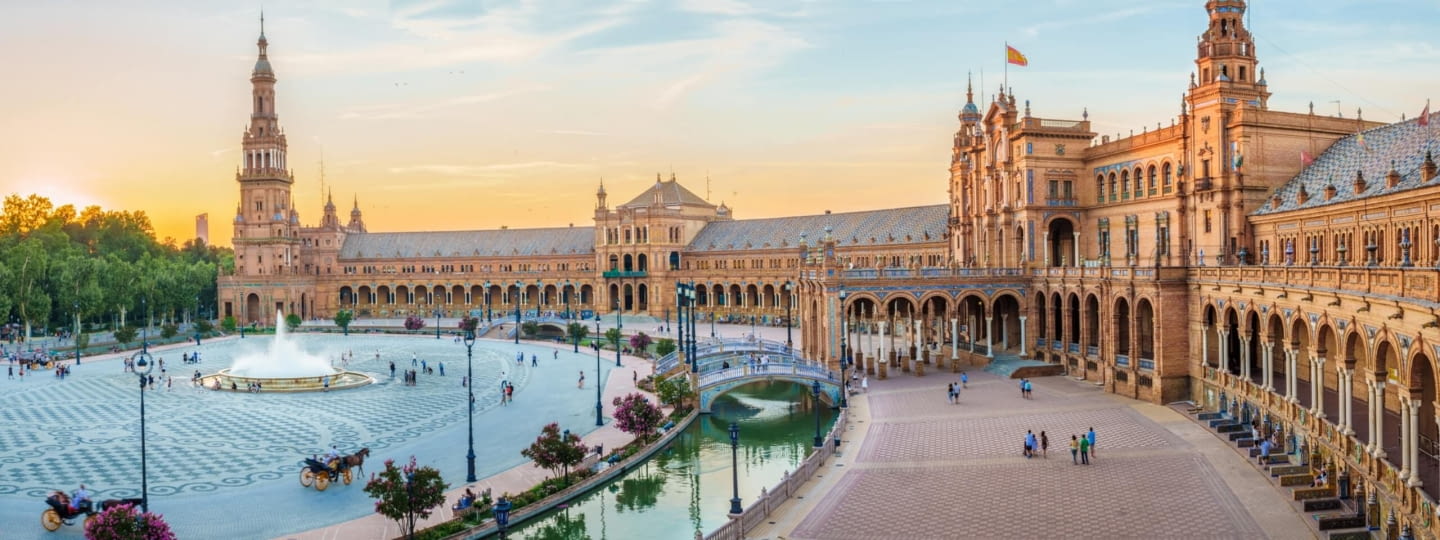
<point x="712" y="346"/>
<point x="773" y="368"/>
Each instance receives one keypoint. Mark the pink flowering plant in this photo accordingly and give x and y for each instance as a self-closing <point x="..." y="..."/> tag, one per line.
<point x="121" y="523"/>
<point x="556" y="451"/>
<point x="634" y="414"/>
<point x="414" y="322"/>
<point x="407" y="493"/>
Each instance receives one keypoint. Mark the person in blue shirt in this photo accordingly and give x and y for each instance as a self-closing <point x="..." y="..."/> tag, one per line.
<point x="1029" y="444"/>
<point x="1090" y="436"/>
<point x="964" y="380"/>
<point x="1265" y="447"/>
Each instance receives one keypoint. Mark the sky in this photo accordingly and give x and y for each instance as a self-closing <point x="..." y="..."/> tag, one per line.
<point x="448" y="114"/>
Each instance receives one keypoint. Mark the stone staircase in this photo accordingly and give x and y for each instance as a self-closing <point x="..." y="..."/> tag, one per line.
<point x="1334" y="517"/>
<point x="1010" y="366"/>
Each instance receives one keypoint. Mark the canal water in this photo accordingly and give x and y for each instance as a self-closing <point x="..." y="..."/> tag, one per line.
<point x="687" y="487"/>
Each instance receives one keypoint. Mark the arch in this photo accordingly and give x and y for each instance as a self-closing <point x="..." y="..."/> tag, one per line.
<point x="252" y="308"/>
<point x="1145" y="329"/>
<point x="1328" y="349"/>
<point x="457" y="295"/>
<point x="642" y="297"/>
<point x="614" y="297"/>
<point x="1074" y="310"/>
<point x="367" y="296"/>
<point x="1274" y="347"/>
<point x="347" y="296"/>
<point x="702" y="296"/>
<point x="627" y="296"/>
<point x="1092" y="321"/>
<point x="642" y="263"/>
<point x="752" y="296"/>
<point x="1006" y="321"/>
<point x="1122" y="327"/>
<point x="628" y="262"/>
<point x="614" y="263"/>
<point x="1252" y="344"/>
<point x="1386" y="364"/>
<point x="771" y="299"/>
<point x="736" y="296"/>
<point x="1150" y="181"/>
<point x="1421" y="377"/>
<point x="403" y="295"/>
<point x="1042" y="326"/>
<point x="1210" y="327"/>
<point x="385" y="295"/>
<point x="477" y="296"/>
<point x="1062" y="242"/>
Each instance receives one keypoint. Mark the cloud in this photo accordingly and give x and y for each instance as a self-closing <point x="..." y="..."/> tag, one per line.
<point x="1105" y="16"/>
<point x="572" y="132"/>
<point x="718" y="7"/>
<point x="410" y="110"/>
<point x="494" y="170"/>
<point x="221" y="152"/>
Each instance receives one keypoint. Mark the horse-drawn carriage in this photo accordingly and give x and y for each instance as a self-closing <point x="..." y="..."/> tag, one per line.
<point x="322" y="473"/>
<point x="61" y="513"/>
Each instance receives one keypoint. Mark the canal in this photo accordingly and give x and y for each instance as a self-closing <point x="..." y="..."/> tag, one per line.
<point x="686" y="487"/>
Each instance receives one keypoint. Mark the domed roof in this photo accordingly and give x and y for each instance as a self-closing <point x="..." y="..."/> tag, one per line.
<point x="263" y="66"/>
<point x="970" y="108"/>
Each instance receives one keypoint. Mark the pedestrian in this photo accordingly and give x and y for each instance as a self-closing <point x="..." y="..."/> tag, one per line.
<point x="392" y="367"/>
<point x="950" y="392"/>
<point x="1265" y="447"/>
<point x="509" y="392"/>
<point x="964" y="380"/>
<point x="504" y="395"/>
<point x="1090" y="437"/>
<point x="556" y="355"/>
<point x="581" y="384"/>
<point x="424" y="366"/>
<point x="1074" y="449"/>
<point x="169" y="383"/>
<point x="534" y="361"/>
<point x="865" y="384"/>
<point x="1029" y="444"/>
<point x="1084" y="451"/>
<point x="1029" y="390"/>
<point x="414" y="361"/>
<point x="1044" y="445"/>
<point x="442" y="368"/>
<point x="1022" y="388"/>
<point x="635" y="377"/>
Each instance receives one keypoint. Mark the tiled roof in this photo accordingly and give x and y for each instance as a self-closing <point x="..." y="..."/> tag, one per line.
<point x="869" y="228"/>
<point x="671" y="193"/>
<point x="490" y="243"/>
<point x="1401" y="146"/>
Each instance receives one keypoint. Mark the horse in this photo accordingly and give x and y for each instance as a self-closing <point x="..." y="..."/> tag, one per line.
<point x="356" y="460"/>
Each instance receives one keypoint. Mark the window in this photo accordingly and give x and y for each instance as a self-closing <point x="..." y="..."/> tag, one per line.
<point x="1166" y="179"/>
<point x="1207" y="221"/>
<point x="1054" y="189"/>
<point x="1124" y="184"/>
<point x="1205" y="168"/>
<point x="1150" y="181"/>
<point x="1100" y="188"/>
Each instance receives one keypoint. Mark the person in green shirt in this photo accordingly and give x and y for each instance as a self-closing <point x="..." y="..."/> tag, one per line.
<point x="1084" y="451"/>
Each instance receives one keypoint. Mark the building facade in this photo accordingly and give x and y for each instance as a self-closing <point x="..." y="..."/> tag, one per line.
<point x="1258" y="261"/>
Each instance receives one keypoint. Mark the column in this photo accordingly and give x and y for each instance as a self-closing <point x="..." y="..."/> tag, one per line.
<point x="1347" y="400"/>
<point x="954" y="338"/>
<point x="974" y="329"/>
<point x="1404" y="444"/>
<point x="1245" y="357"/>
<point x="1291" y="377"/>
<point x="1412" y="444"/>
<point x="1046" y="242"/>
<point x="989" y="339"/>
<point x="1004" y="332"/>
<point x="1377" y="408"/>
<point x="1204" y="346"/>
<point x="1075" y="246"/>
<point x="1224" y="346"/>
<point x="884" y="358"/>
<point x="1022" y="336"/>
<point x="1317" y="386"/>
<point x="1267" y="361"/>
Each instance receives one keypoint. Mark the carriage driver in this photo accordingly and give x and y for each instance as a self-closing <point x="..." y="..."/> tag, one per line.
<point x="332" y="455"/>
<point x="80" y="497"/>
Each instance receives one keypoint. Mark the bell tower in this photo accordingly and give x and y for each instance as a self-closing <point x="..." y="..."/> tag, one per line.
<point x="267" y="229"/>
<point x="1225" y="58"/>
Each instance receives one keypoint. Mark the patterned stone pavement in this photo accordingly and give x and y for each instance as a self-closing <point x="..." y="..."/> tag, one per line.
<point x="926" y="469"/>
<point x="211" y="452"/>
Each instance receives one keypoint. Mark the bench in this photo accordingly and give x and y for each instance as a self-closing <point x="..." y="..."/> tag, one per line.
<point x="1340" y="521"/>
<point x="1292" y="480"/>
<point x="1305" y="494"/>
<point x="1210" y="416"/>
<point x="1233" y="428"/>
<point x="1317" y="505"/>
<point x="1289" y="469"/>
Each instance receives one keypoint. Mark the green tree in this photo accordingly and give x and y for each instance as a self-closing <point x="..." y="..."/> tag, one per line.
<point x="204" y="326"/>
<point x="674" y="391"/>
<point x="531" y="329"/>
<point x="168" y="331"/>
<point x="292" y="321"/>
<point x="556" y="452"/>
<point x="343" y="318"/>
<point x="406" y="494"/>
<point x="126" y="334"/>
<point x="228" y="324"/>
<point x="664" y="347"/>
<point x="577" y="331"/>
<point x="613" y="336"/>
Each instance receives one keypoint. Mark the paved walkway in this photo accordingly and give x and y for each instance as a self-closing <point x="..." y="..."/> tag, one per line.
<point x="916" y="467"/>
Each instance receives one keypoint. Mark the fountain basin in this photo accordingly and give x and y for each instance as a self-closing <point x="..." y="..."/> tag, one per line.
<point x="340" y="380"/>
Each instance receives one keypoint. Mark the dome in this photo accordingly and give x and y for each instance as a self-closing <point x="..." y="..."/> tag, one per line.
<point x="970" y="108"/>
<point x="263" y="66"/>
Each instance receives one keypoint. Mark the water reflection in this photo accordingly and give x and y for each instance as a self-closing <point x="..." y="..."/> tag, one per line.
<point x="686" y="487"/>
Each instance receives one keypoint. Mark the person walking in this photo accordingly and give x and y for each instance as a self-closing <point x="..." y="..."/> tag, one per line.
<point x="964" y="380"/>
<point x="534" y="360"/>
<point x="1044" y="445"/>
<point x="442" y="368"/>
<point x="1029" y="444"/>
<point x="865" y="384"/>
<point x="509" y="392"/>
<point x="1074" y="450"/>
<point x="1090" y="437"/>
<point x="581" y="384"/>
<point x="1265" y="447"/>
<point x="392" y="367"/>
<point x="555" y="356"/>
<point x="1084" y="451"/>
<point x="950" y="392"/>
<point x="1022" y="388"/>
<point x="10" y="372"/>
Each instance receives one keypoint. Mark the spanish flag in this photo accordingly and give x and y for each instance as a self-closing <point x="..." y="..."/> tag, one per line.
<point x="1013" y="56"/>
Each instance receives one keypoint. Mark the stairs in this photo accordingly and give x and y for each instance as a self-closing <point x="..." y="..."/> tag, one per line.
<point x="1333" y="517"/>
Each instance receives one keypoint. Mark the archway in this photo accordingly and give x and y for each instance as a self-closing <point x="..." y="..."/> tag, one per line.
<point x="1252" y="343"/>
<point x="1230" y="350"/>
<point x="901" y="316"/>
<point x="1042" y="325"/>
<point x="1274" y="348"/>
<point x="1300" y="343"/>
<point x="1074" y="335"/>
<point x="1122" y="329"/>
<point x="1145" y="330"/>
<point x="628" y="297"/>
<point x="1062" y="243"/>
<point x="643" y="297"/>
<point x="642" y="262"/>
<point x="252" y="308"/>
<point x="1386" y="364"/>
<point x="1210" y="330"/>
<point x="347" y="297"/>
<point x="629" y="262"/>
<point x="1006" y="323"/>
<point x="972" y="321"/>
<point x="1422" y="387"/>
<point x="1092" y="326"/>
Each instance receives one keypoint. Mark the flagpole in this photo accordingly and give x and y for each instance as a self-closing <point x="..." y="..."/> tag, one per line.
<point x="1005" y="84"/>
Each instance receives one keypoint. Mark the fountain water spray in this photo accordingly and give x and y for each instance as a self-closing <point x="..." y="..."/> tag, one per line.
<point x="283" y="358"/>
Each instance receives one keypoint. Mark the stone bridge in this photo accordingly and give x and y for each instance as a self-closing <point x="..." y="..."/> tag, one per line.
<point x="713" y="378"/>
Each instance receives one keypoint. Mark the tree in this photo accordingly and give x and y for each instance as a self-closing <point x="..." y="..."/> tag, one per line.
<point x="343" y="318"/>
<point x="639" y="342"/>
<point x="406" y="494"/>
<point x="168" y="331"/>
<point x="664" y="347"/>
<point x="414" y="322"/>
<point x="531" y="328"/>
<point x="126" y="334"/>
<point x="125" y="522"/>
<point x="204" y="327"/>
<point x="674" y="391"/>
<point x="292" y="321"/>
<point x="556" y="452"/>
<point x="613" y="336"/>
<point x="577" y="331"/>
<point x="468" y="323"/>
<point x="634" y="414"/>
<point x="228" y="324"/>
<point x="82" y="340"/>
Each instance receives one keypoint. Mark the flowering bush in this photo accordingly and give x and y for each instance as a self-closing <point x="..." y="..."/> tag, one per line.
<point x="406" y="494"/>
<point x="555" y="451"/>
<point x="468" y="323"/>
<point x="414" y="322"/>
<point x="638" y="343"/>
<point x="634" y="414"/>
<point x="121" y="523"/>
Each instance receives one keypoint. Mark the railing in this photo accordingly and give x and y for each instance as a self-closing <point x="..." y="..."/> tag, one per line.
<point x="1390" y="281"/>
<point x="1147" y="363"/>
<point x="1092" y="351"/>
<point x="1122" y="360"/>
<point x="928" y="272"/>
<point x="1056" y="345"/>
<point x="1073" y="348"/>
<point x="770" y="499"/>
<point x="772" y="368"/>
<point x="623" y="273"/>
<point x="712" y="346"/>
<point x="1061" y="202"/>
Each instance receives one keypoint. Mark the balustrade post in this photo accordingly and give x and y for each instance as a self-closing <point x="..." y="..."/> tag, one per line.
<point x="1413" y="445"/>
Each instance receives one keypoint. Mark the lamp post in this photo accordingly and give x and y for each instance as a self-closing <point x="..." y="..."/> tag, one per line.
<point x="143" y="366"/>
<point x="789" y="299"/>
<point x="196" y="322"/>
<point x="470" y="401"/>
<point x="438" y="311"/>
<point x="680" y="322"/>
<point x="488" y="316"/>
<point x="752" y="328"/>
<point x="712" y="324"/>
<point x="618" y="337"/>
<point x="77" y="333"/>
<point x="735" y="508"/>
<point x="844" y="352"/>
<point x="518" y="284"/>
<point x="815" y="392"/>
<point x="599" y="421"/>
<point x="690" y="319"/>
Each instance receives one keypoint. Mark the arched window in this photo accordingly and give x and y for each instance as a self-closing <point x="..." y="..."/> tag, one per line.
<point x="1150" y="181"/>
<point x="1242" y="73"/>
<point x="1100" y="188"/>
<point x="1124" y="184"/>
<point x="1139" y="182"/>
<point x="1112" y="187"/>
<point x="1166" y="179"/>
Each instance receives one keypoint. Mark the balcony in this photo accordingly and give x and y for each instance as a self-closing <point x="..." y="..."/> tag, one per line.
<point x="609" y="274"/>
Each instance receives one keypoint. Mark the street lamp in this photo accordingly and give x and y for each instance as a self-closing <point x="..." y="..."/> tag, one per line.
<point x="752" y="329"/>
<point x="618" y="325"/>
<point x="196" y="322"/>
<point x="77" y="333"/>
<point x="735" y="508"/>
<point x="143" y="366"/>
<point x="690" y="319"/>
<point x="815" y="392"/>
<point x="438" y="311"/>
<point x="488" y="315"/>
<point x="517" y="310"/>
<point x="790" y="299"/>
<point x="598" y="419"/>
<point x="712" y="324"/>
<point x="470" y="401"/>
<point x="844" y="352"/>
<point x="680" y="295"/>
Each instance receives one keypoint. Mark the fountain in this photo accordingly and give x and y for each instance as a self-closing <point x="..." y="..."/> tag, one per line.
<point x="284" y="367"/>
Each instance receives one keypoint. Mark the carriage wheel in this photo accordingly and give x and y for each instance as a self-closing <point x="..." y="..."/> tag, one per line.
<point x="346" y="476"/>
<point x="50" y="519"/>
<point x="322" y="481"/>
<point x="306" y="477"/>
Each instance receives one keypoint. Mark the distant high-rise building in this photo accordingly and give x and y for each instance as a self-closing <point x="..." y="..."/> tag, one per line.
<point x="202" y="228"/>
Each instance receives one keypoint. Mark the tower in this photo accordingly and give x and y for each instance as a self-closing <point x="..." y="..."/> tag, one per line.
<point x="267" y="236"/>
<point x="356" y="225"/>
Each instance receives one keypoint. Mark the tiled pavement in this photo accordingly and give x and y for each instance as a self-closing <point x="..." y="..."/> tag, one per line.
<point x="916" y="467"/>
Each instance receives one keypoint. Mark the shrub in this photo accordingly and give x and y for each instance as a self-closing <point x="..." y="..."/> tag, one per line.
<point x="530" y="328"/>
<point x="406" y="502"/>
<point x="292" y="321"/>
<point x="414" y="322"/>
<point x="342" y="319"/>
<point x="125" y="522"/>
<point x="125" y="334"/>
<point x="228" y="324"/>
<point x="554" y="451"/>
<point x="664" y="347"/>
<point x="634" y="414"/>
